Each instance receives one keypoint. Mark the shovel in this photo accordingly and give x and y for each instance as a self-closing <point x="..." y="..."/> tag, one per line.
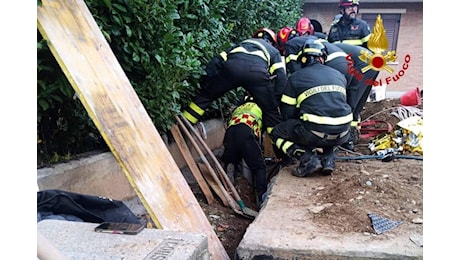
<point x="216" y="179"/>
<point x="246" y="210"/>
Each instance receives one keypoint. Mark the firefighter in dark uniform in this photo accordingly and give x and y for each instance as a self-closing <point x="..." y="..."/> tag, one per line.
<point x="336" y="57"/>
<point x="349" y="29"/>
<point x="358" y="89"/>
<point x="254" y="64"/>
<point x="316" y="113"/>
<point x="242" y="140"/>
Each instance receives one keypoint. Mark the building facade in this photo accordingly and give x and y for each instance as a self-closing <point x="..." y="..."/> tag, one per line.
<point x="403" y="23"/>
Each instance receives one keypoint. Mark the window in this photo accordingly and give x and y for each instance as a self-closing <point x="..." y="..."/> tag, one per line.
<point x="390" y="23"/>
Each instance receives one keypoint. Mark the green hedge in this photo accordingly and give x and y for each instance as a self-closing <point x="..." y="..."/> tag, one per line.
<point x="163" y="47"/>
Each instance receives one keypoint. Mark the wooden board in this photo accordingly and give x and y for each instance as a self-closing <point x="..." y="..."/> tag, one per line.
<point x="215" y="187"/>
<point x="188" y="157"/>
<point x="105" y="91"/>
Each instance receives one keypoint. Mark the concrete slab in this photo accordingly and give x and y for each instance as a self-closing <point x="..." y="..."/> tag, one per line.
<point x="78" y="240"/>
<point x="284" y="230"/>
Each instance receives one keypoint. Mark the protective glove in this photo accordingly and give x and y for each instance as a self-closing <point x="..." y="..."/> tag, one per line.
<point x="295" y="151"/>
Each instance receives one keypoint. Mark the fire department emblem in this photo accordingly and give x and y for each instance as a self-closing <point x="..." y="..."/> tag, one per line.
<point x="378" y="43"/>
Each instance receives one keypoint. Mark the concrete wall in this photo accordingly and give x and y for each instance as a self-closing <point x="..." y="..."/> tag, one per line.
<point x="410" y="39"/>
<point x="101" y="175"/>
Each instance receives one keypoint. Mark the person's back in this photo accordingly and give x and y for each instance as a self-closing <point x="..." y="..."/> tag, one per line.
<point x="254" y="64"/>
<point x="349" y="28"/>
<point x="242" y="141"/>
<point x="320" y="92"/>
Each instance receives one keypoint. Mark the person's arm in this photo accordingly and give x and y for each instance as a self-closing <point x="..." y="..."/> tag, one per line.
<point x="288" y="103"/>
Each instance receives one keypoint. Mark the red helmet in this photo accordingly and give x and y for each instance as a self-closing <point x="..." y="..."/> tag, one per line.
<point x="266" y="34"/>
<point x="284" y="35"/>
<point x="345" y="3"/>
<point x="304" y="26"/>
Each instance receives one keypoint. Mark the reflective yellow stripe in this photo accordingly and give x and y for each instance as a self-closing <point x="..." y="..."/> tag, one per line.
<point x="288" y="100"/>
<point x="310" y="50"/>
<point x="256" y="53"/>
<point x="283" y="144"/>
<point x="335" y="55"/>
<point x="196" y="108"/>
<point x="325" y="120"/>
<point x="266" y="53"/>
<point x="354" y="123"/>
<point x="319" y="89"/>
<point x="269" y="130"/>
<point x="276" y="66"/>
<point x="291" y="57"/>
<point x="351" y="42"/>
<point x="223" y="55"/>
<point x="190" y="118"/>
<point x="366" y="39"/>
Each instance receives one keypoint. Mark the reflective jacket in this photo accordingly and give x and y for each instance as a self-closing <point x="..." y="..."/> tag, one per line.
<point x="250" y="114"/>
<point x="264" y="50"/>
<point x="354" y="32"/>
<point x="294" y="46"/>
<point x="317" y="95"/>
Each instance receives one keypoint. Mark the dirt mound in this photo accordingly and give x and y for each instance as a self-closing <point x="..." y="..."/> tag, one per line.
<point x="393" y="190"/>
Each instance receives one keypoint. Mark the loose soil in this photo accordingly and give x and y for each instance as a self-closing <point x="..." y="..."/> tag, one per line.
<point x="394" y="189"/>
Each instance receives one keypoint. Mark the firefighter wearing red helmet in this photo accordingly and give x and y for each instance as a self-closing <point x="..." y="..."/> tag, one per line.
<point x="304" y="26"/>
<point x="268" y="35"/>
<point x="254" y="64"/>
<point x="349" y="28"/>
<point x="283" y="36"/>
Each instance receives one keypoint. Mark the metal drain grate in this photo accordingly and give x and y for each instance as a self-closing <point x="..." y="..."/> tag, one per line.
<point x="381" y="224"/>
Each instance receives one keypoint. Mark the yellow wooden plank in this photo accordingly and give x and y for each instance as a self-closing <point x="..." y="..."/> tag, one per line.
<point x="105" y="91"/>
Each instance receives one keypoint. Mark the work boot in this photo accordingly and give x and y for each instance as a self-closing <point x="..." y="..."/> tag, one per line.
<point x="309" y="165"/>
<point x="328" y="163"/>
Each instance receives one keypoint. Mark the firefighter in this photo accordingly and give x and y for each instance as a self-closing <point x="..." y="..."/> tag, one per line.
<point x="316" y="113"/>
<point x="254" y="64"/>
<point x="242" y="141"/>
<point x="358" y="89"/>
<point x="284" y="35"/>
<point x="336" y="57"/>
<point x="349" y="28"/>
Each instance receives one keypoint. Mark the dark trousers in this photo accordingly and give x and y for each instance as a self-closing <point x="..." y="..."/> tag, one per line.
<point x="240" y="142"/>
<point x="296" y="131"/>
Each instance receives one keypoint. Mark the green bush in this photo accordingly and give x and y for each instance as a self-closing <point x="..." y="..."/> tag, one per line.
<point x="163" y="47"/>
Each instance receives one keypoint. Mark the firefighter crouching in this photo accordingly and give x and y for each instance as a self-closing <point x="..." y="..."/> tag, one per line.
<point x="314" y="107"/>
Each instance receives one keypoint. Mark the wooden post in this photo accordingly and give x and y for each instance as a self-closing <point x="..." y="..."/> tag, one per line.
<point x="105" y="91"/>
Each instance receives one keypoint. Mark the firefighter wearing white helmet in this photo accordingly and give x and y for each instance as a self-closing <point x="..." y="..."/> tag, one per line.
<point x="349" y="28"/>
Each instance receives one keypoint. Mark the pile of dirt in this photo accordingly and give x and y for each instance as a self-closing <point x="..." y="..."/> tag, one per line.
<point x="393" y="190"/>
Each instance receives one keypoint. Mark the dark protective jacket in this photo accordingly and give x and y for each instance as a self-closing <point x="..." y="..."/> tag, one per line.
<point x="335" y="59"/>
<point x="317" y="95"/>
<point x="354" y="32"/>
<point x="359" y="87"/>
<point x="253" y="64"/>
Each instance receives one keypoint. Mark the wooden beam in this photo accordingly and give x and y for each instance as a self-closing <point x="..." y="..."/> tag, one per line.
<point x="105" y="91"/>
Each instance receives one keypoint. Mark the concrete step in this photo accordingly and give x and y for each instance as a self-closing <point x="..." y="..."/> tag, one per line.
<point x="78" y="240"/>
<point x="284" y="230"/>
